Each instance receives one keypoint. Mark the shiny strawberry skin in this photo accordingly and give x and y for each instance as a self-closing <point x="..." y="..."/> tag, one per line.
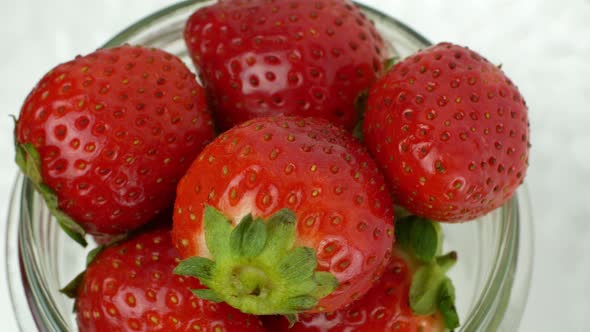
<point x="317" y="170"/>
<point x="131" y="287"/>
<point x="308" y="58"/>
<point x="384" y="308"/>
<point x="115" y="131"/>
<point x="450" y="132"/>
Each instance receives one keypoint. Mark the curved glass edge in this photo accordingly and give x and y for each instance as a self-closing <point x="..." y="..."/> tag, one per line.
<point x="523" y="266"/>
<point x="146" y="22"/>
<point x="496" y="289"/>
<point x="18" y="289"/>
<point x="41" y="303"/>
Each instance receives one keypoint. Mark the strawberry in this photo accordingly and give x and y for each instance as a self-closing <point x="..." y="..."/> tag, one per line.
<point x="106" y="137"/>
<point x="384" y="308"/>
<point x="261" y="58"/>
<point x="130" y="286"/>
<point x="407" y="297"/>
<point x="284" y="215"/>
<point x="450" y="132"/>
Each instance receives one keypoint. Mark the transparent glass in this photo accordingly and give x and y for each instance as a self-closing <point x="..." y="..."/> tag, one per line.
<point x="495" y="252"/>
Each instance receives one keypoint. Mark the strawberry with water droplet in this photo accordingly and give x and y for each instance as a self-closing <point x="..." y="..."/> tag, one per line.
<point x="307" y="58"/>
<point x="284" y="215"/>
<point x="105" y="137"/>
<point x="450" y="132"/>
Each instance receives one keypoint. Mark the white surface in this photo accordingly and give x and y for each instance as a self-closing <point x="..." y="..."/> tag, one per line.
<point x="543" y="45"/>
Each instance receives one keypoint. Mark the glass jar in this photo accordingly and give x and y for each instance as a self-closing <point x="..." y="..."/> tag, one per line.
<point x="492" y="276"/>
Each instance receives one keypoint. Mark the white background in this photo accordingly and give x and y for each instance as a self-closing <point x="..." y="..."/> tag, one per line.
<point x="544" y="47"/>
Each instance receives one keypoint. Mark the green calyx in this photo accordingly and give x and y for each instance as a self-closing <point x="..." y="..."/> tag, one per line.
<point x="428" y="284"/>
<point x="255" y="266"/>
<point x="431" y="289"/>
<point x="71" y="289"/>
<point x="419" y="236"/>
<point x="389" y="63"/>
<point x="360" y="106"/>
<point x="29" y="161"/>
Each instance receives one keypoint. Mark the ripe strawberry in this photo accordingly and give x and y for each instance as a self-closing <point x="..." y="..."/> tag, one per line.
<point x="283" y="215"/>
<point x="106" y="137"/>
<point x="450" y="132"/>
<point x="308" y="58"/>
<point x="413" y="294"/>
<point x="131" y="287"/>
<point x="384" y="308"/>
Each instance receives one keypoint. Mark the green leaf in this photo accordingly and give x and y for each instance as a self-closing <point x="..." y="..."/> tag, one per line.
<point x="217" y="232"/>
<point x="298" y="265"/>
<point x="327" y="283"/>
<point x="446" y="304"/>
<point x="301" y="303"/>
<point x="446" y="262"/>
<point x="400" y="212"/>
<point x="403" y="230"/>
<point x="20" y="158"/>
<point x="207" y="294"/>
<point x="424" y="289"/>
<point x="421" y="237"/>
<point x="292" y="318"/>
<point x="425" y="239"/>
<point x="198" y="267"/>
<point x="69" y="226"/>
<point x="360" y="106"/>
<point x="283" y="216"/>
<point x="92" y="254"/>
<point x="282" y="229"/>
<point x="389" y="63"/>
<point x="71" y="289"/>
<point x="426" y="283"/>
<point x="29" y="161"/>
<point x="248" y="238"/>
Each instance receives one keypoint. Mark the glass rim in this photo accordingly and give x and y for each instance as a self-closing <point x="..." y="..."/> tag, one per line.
<point x="495" y="296"/>
<point x="150" y="19"/>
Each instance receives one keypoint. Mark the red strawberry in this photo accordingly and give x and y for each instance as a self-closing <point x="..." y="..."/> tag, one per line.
<point x="384" y="308"/>
<point x="451" y="133"/>
<point x="130" y="287"/>
<point x="106" y="137"/>
<point x="309" y="58"/>
<point x="277" y="212"/>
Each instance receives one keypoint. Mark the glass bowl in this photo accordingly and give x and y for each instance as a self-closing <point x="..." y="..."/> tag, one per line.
<point x="492" y="276"/>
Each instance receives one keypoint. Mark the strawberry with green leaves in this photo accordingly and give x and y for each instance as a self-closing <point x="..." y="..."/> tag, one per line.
<point x="284" y="215"/>
<point x="450" y="132"/>
<point x="308" y="58"/>
<point x="105" y="137"/>
<point x="412" y="295"/>
<point x="130" y="286"/>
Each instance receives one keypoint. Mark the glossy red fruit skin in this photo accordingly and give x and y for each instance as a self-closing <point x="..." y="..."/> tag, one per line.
<point x="384" y="308"/>
<point x="450" y="132"/>
<point x="115" y="131"/>
<point x="131" y="287"/>
<point x="305" y="58"/>
<point x="317" y="170"/>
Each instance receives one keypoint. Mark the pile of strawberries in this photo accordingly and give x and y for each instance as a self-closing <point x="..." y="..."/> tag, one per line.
<point x="280" y="174"/>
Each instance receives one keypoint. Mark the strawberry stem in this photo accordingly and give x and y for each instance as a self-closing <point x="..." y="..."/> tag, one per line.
<point x="255" y="266"/>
